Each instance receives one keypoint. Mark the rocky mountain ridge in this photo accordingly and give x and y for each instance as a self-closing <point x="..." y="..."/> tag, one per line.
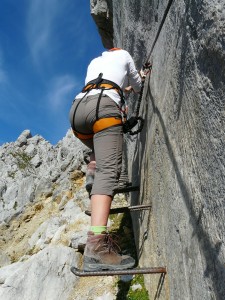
<point x="42" y="219"/>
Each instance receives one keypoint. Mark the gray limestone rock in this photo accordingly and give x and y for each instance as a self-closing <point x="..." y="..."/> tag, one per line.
<point x="44" y="188"/>
<point x="101" y="12"/>
<point x="30" y="169"/>
<point x="77" y="238"/>
<point x="43" y="236"/>
<point x="4" y="259"/>
<point x="24" y="136"/>
<point x="8" y="270"/>
<point x="45" y="275"/>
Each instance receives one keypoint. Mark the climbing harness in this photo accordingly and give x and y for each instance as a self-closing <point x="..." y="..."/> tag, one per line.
<point x="100" y="123"/>
<point x="103" y="84"/>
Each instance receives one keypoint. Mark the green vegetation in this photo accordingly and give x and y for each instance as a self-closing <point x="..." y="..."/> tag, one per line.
<point x="126" y="292"/>
<point x="15" y="205"/>
<point x="23" y="161"/>
<point x="12" y="174"/>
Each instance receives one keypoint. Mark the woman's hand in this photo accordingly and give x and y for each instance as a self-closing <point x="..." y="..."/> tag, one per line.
<point x="128" y="89"/>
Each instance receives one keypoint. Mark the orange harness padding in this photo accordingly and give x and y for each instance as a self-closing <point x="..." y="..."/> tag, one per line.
<point x="82" y="136"/>
<point x="100" y="86"/>
<point x="99" y="125"/>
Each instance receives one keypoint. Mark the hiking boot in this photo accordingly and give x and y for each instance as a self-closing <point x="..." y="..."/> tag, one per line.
<point x="90" y="175"/>
<point x="101" y="253"/>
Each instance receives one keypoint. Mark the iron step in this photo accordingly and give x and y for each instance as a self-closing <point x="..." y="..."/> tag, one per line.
<point x="153" y="270"/>
<point x="124" y="209"/>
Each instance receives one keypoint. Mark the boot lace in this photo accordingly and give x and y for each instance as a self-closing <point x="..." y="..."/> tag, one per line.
<point x="110" y="242"/>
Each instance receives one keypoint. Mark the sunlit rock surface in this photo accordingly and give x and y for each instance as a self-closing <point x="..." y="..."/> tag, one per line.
<point x="179" y="156"/>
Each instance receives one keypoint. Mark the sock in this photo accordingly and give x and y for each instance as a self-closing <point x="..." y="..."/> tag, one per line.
<point x="98" y="229"/>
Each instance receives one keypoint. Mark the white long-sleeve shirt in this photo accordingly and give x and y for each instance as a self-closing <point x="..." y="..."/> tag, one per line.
<point x="117" y="66"/>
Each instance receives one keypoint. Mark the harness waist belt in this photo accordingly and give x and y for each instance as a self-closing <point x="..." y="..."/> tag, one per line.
<point x="100" y="86"/>
<point x="104" y="123"/>
<point x="99" y="125"/>
<point x="82" y="136"/>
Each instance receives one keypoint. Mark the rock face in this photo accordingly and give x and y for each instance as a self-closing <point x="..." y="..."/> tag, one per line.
<point x="31" y="168"/>
<point x="48" y="272"/>
<point x="42" y="204"/>
<point x="179" y="156"/>
<point x="101" y="12"/>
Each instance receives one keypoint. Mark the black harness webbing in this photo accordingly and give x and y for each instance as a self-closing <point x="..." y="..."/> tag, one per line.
<point x="103" y="84"/>
<point x="98" y="104"/>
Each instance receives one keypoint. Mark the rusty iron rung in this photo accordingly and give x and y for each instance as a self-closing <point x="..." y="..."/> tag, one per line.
<point x="117" y="210"/>
<point x="139" y="207"/>
<point x="154" y="270"/>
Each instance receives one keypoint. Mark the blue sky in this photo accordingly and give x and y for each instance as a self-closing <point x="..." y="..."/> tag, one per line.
<point x="45" y="48"/>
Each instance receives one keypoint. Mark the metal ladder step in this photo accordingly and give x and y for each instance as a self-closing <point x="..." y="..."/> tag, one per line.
<point x="152" y="270"/>
<point x="117" y="210"/>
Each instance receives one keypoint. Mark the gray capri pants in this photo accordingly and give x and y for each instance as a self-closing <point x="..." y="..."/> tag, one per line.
<point x="106" y="144"/>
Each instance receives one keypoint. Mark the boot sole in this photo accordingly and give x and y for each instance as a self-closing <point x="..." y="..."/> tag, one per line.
<point x="99" y="267"/>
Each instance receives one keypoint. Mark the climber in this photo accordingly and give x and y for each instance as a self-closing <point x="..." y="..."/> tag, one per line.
<point x="96" y="119"/>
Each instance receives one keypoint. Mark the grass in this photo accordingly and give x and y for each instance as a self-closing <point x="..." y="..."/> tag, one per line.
<point x="125" y="289"/>
<point x="23" y="161"/>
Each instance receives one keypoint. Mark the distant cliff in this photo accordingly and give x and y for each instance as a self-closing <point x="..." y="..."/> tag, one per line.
<point x="179" y="156"/>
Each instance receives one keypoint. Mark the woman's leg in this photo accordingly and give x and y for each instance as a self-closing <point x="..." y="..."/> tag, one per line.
<point x="101" y="252"/>
<point x="108" y="154"/>
<point x="100" y="207"/>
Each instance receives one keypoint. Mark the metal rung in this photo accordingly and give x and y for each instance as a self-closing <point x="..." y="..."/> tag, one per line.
<point x="124" y="209"/>
<point x="82" y="273"/>
<point x="139" y="207"/>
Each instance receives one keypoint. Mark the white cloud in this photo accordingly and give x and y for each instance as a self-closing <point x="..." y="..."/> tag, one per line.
<point x="40" y="22"/>
<point x="60" y="91"/>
